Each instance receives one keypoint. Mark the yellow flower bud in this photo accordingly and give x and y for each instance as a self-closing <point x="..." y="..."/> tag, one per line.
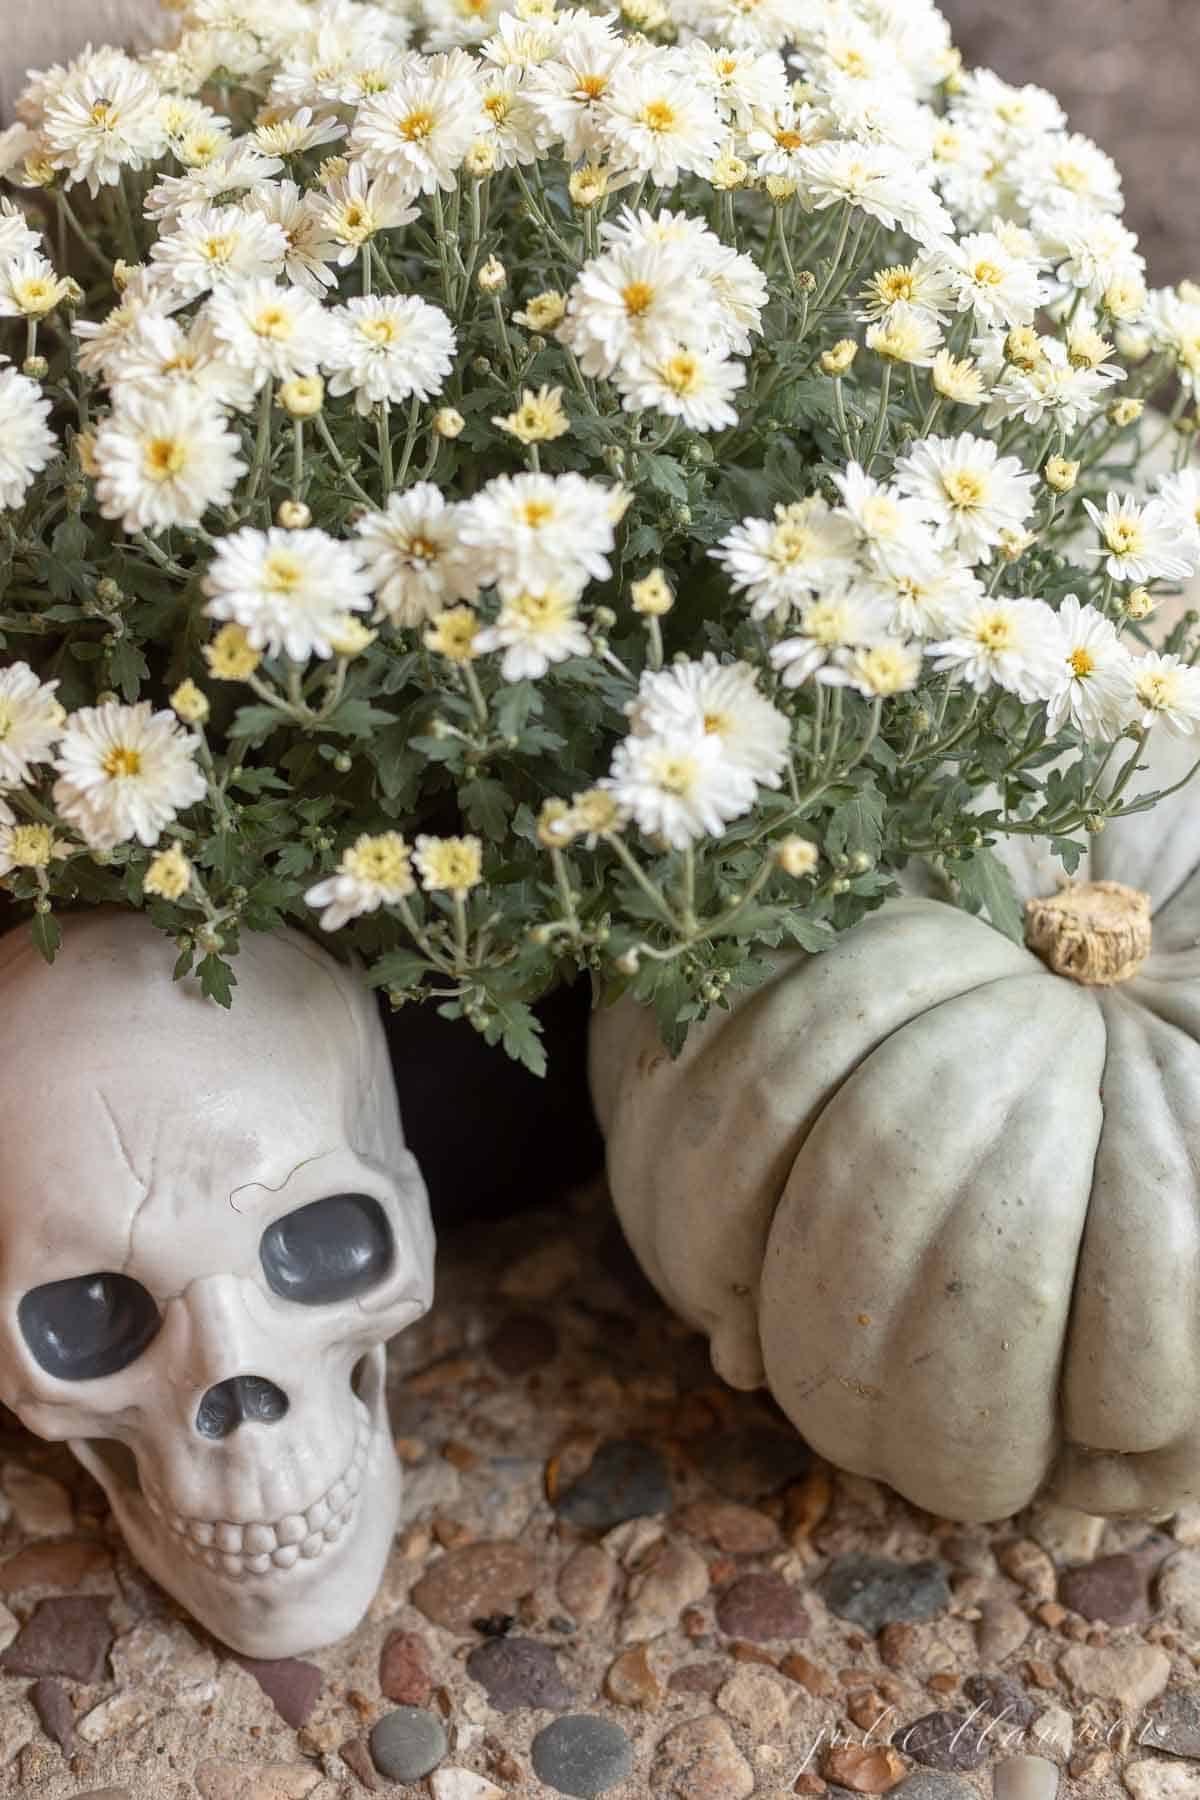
<point x="796" y="856"/>
<point x="652" y="596"/>
<point x="293" y="515"/>
<point x="839" y="359"/>
<point x="190" y="703"/>
<point x="1061" y="474"/>
<point x="302" y="397"/>
<point x="448" y="422"/>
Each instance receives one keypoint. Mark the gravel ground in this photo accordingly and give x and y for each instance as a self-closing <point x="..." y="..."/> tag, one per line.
<point x="1126" y="71"/>
<point x="601" y="1541"/>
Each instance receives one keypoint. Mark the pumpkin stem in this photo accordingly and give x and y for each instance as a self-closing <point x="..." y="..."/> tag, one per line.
<point x="1094" y="932"/>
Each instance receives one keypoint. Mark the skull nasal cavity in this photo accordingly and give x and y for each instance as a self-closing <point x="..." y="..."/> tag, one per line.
<point x="245" y="1398"/>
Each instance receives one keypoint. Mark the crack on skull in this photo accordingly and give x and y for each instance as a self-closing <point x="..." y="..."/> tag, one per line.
<point x="265" y="1186"/>
<point x="125" y="1157"/>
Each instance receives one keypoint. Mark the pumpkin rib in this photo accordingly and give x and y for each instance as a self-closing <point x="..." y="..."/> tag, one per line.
<point x="924" y="1358"/>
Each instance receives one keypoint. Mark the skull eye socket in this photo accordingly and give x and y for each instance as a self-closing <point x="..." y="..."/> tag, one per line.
<point x="333" y="1249"/>
<point x="89" y="1326"/>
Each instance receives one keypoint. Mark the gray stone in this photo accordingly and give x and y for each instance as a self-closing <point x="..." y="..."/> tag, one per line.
<point x="1179" y="1589"/>
<point x="1002" y="1628"/>
<point x="624" y="1481"/>
<point x="1131" y="1674"/>
<point x="1174" y="1725"/>
<point x="745" y="1465"/>
<point x="943" y="1740"/>
<point x="407" y="1743"/>
<point x="927" y="1784"/>
<point x="1025" y="1778"/>
<point x="582" y="1755"/>
<point x="1002" y="1699"/>
<point x="55" y="1712"/>
<point x="871" y="1591"/>
<point x="516" y="1671"/>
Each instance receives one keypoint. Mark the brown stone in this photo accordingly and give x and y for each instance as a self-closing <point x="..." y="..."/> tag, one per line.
<point x="406" y="1669"/>
<point x="699" y="1678"/>
<point x="895" y="1643"/>
<point x="69" y="1636"/>
<point x="806" y="1502"/>
<point x="1051" y="1613"/>
<point x="700" y="1761"/>
<point x="864" y="1769"/>
<point x="943" y="1683"/>
<point x="808" y="1783"/>
<point x="1039" y="1674"/>
<point x="452" y="1534"/>
<point x="291" y="1685"/>
<point x="866" y="1708"/>
<point x="798" y="1667"/>
<point x="58" y="1563"/>
<point x="762" y="1607"/>
<point x="585" y="1583"/>
<point x="631" y="1681"/>
<point x="461" y="1455"/>
<point x="754" y="1653"/>
<point x="1113" y="1588"/>
<point x="1029" y="1566"/>
<point x="476" y="1582"/>
<point x="738" y="1530"/>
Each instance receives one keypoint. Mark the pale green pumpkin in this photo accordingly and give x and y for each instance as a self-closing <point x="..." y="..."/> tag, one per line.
<point x="943" y="1201"/>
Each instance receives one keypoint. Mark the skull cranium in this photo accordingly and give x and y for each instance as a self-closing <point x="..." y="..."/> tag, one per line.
<point x="209" y="1226"/>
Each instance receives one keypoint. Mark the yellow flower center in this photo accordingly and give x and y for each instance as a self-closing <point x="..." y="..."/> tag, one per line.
<point x="380" y="861"/>
<point x="682" y="373"/>
<point x="121" y="761"/>
<point x="498" y="106"/>
<point x="163" y="457"/>
<point x="791" y="543"/>
<point x="1123" y="536"/>
<point x="1071" y="175"/>
<point x="987" y="274"/>
<point x="591" y="86"/>
<point x="658" y="116"/>
<point x="638" y="297"/>
<point x="382" y="330"/>
<point x="283" y="572"/>
<point x="535" y="513"/>
<point x="217" y="249"/>
<point x="788" y="139"/>
<point x="716" y="724"/>
<point x="419" y="124"/>
<point x="272" y="322"/>
<point x="1082" y="662"/>
<point x="964" y="488"/>
<point x="676" y="773"/>
<point x="994" y="634"/>
<point x="825" y="623"/>
<point x="104" y="115"/>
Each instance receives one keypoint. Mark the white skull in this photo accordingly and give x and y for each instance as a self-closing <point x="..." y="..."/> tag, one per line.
<point x="212" y="1351"/>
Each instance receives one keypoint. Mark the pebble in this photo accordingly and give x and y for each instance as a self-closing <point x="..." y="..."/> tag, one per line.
<point x="9" y="1626"/>
<point x="476" y="1582"/>
<point x="738" y="1530"/>
<point x="1025" y="1778"/>
<point x="356" y="1755"/>
<point x="515" y="1671"/>
<point x="943" y="1740"/>
<point x="582" y="1755"/>
<point x="1132" y="1675"/>
<point x="291" y="1685"/>
<point x="747" y="1465"/>
<point x="863" y="1768"/>
<point x="55" y="1713"/>
<point x="120" y="1712"/>
<point x="700" y="1761"/>
<point x="1065" y="1533"/>
<point x="872" y="1590"/>
<point x="1174" y="1725"/>
<point x="761" y="1607"/>
<point x="40" y="1505"/>
<point x="1001" y="1698"/>
<point x="926" y="1784"/>
<point x="462" y="1784"/>
<point x="16" y="1729"/>
<point x="1054" y="1732"/>
<point x="521" y="1344"/>
<point x="798" y="1667"/>
<point x="1179" y="1589"/>
<point x="625" y="1480"/>
<point x="756" y="1701"/>
<point x="218" y="1779"/>
<point x="1029" y="1566"/>
<point x="406" y="1669"/>
<point x="66" y="1563"/>
<point x="1114" y="1588"/>
<point x="429" y="1487"/>
<point x="407" y="1743"/>
<point x="631" y="1681"/>
<point x="699" y="1678"/>
<point x="585" y="1583"/>
<point x="1185" y="1526"/>
<point x="1160" y="1781"/>
<point x="540" y="1275"/>
<point x="1002" y="1628"/>
<point x="68" y="1636"/>
<point x="676" y="1577"/>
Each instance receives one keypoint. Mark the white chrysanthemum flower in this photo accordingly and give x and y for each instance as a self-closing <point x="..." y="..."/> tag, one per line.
<point x="16" y="239"/>
<point x="737" y="286"/>
<point x="273" y="332"/>
<point x="358" y="205"/>
<point x="568" y="89"/>
<point x="387" y="347"/>
<point x="311" y="245"/>
<point x="195" y="133"/>
<point x="103" y="340"/>
<point x="924" y="285"/>
<point x="636" y="301"/>
<point x="876" y="671"/>
<point x="1096" y="692"/>
<point x="1173" y="321"/>
<point x="781" y="561"/>
<point x="163" y="458"/>
<point x="31" y="722"/>
<point x="26" y="442"/>
<point x="680" y="788"/>
<point x="1014" y="644"/>
<point x="241" y="168"/>
<point x="414" y="562"/>
<point x="747" y="85"/>
<point x="998" y="287"/>
<point x="746" y="24"/>
<point x="1053" y="387"/>
<point x="160" y="352"/>
<point x="696" y="386"/>
<point x="906" y="336"/>
<point x="102" y="119"/>
<point x="289" y="134"/>
<point x="422" y="128"/>
<point x="540" y="531"/>
<point x="1066" y="167"/>
<point x="290" y="591"/>
<point x="30" y="287"/>
<point x="1180" y="494"/>
<point x="125" y="772"/>
<point x="884" y="518"/>
<point x="776" y="139"/>
<point x="657" y="120"/>
<point x="880" y="182"/>
<point x="848" y="620"/>
<point x="372" y="872"/>
<point x="1142" y="542"/>
<point x="515" y="131"/>
<point x="450" y="24"/>
<point x="994" y="109"/>
<point x="716" y="699"/>
<point x="1167" y="693"/>
<point x="1088" y="249"/>
<point x="523" y="42"/>
<point x="967" y="491"/>
<point x="216" y="244"/>
<point x="535" y="630"/>
<point x="923" y="588"/>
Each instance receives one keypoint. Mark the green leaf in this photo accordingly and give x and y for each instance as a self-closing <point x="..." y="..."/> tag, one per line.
<point x="357" y="719"/>
<point x="665" y="475"/>
<point x="487" y="804"/>
<point x="515" y="1026"/>
<point x="217" y="979"/>
<point x="127" y="668"/>
<point x="46" y="933"/>
<point x="398" y="969"/>
<point x="256" y="723"/>
<point x="984" y="884"/>
<point x="857" y="824"/>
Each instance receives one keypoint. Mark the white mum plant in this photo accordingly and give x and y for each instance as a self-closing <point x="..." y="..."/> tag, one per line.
<point x="524" y="490"/>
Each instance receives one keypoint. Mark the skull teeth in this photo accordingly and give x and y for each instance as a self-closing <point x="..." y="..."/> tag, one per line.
<point x="256" y="1547"/>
